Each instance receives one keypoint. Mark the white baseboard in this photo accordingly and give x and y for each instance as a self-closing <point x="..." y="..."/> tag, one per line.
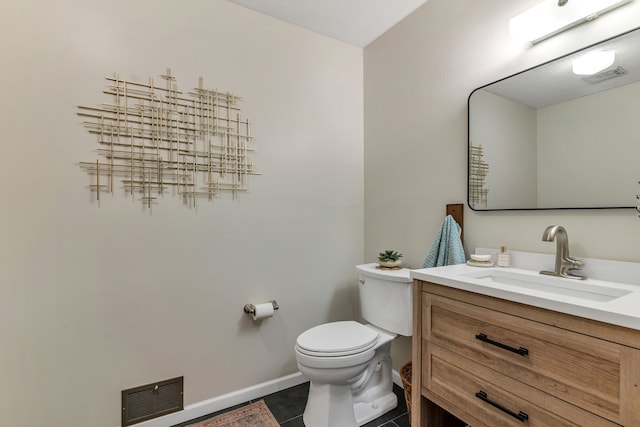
<point x="228" y="400"/>
<point x="224" y="401"/>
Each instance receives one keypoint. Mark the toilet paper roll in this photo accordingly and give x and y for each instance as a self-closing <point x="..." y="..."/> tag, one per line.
<point x="263" y="311"/>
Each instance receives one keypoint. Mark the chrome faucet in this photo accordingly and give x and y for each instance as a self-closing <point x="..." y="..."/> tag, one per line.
<point x="564" y="263"/>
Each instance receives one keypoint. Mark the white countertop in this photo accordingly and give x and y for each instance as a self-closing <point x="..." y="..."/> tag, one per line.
<point x="622" y="311"/>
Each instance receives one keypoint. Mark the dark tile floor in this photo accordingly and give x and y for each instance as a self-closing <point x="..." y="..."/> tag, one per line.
<point x="288" y="405"/>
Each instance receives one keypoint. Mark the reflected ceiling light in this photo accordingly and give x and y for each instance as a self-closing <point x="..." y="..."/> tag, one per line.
<point x="554" y="16"/>
<point x="593" y="62"/>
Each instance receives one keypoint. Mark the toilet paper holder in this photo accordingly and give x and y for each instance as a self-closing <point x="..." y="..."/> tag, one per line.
<point x="251" y="308"/>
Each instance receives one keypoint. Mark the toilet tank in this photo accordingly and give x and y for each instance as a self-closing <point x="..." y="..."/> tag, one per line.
<point x="386" y="298"/>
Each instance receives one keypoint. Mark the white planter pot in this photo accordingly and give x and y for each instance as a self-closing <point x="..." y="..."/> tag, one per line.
<point x="390" y="264"/>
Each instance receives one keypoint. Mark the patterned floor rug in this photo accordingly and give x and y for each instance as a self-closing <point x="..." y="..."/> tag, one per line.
<point x="253" y="415"/>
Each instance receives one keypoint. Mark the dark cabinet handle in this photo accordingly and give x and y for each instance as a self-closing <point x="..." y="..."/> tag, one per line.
<point x="521" y="351"/>
<point x="520" y="416"/>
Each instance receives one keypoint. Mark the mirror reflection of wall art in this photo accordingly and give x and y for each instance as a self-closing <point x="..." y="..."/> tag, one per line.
<point x="478" y="170"/>
<point x="160" y="141"/>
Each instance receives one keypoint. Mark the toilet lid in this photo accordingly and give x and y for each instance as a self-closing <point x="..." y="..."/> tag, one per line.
<point x="337" y="339"/>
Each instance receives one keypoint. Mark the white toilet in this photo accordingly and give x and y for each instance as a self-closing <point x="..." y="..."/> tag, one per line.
<point x="348" y="363"/>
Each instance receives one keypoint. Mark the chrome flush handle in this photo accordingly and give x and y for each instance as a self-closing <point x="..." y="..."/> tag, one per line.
<point x="638" y="203"/>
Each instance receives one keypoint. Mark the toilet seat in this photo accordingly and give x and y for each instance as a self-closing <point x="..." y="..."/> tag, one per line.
<point x="337" y="339"/>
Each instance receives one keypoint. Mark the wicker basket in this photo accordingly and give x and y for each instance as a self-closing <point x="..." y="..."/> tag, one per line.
<point x="405" y="375"/>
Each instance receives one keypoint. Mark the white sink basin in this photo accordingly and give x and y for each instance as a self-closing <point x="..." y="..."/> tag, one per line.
<point x="583" y="289"/>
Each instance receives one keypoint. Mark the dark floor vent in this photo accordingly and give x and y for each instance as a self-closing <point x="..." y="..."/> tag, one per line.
<point x="152" y="400"/>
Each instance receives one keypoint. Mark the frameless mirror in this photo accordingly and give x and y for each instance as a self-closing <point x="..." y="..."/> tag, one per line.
<point x="547" y="138"/>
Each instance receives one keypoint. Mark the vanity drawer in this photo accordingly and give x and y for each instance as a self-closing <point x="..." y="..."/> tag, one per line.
<point x="573" y="367"/>
<point x="495" y="399"/>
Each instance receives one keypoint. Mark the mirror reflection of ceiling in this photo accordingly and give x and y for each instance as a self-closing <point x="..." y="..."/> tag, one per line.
<point x="357" y="22"/>
<point x="555" y="82"/>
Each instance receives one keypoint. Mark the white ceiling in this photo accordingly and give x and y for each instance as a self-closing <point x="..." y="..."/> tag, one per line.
<point x="357" y="22"/>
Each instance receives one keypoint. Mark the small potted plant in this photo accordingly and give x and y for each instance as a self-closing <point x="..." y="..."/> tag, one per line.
<point x="390" y="259"/>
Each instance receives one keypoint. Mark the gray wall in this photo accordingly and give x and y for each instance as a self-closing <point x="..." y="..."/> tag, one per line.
<point x="94" y="298"/>
<point x="417" y="79"/>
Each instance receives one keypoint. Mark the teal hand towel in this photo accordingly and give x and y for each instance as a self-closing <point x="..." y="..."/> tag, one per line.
<point x="447" y="248"/>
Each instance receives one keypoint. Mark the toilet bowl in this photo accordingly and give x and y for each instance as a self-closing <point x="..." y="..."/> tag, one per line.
<point x="351" y="382"/>
<point x="348" y="363"/>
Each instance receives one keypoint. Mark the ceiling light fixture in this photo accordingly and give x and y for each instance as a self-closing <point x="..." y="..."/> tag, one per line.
<point x="555" y="16"/>
<point x="593" y="62"/>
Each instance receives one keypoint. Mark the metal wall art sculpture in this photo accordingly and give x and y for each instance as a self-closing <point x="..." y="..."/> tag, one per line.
<point x="158" y="141"/>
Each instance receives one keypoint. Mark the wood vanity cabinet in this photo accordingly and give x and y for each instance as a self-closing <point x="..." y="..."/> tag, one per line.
<point x="491" y="363"/>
